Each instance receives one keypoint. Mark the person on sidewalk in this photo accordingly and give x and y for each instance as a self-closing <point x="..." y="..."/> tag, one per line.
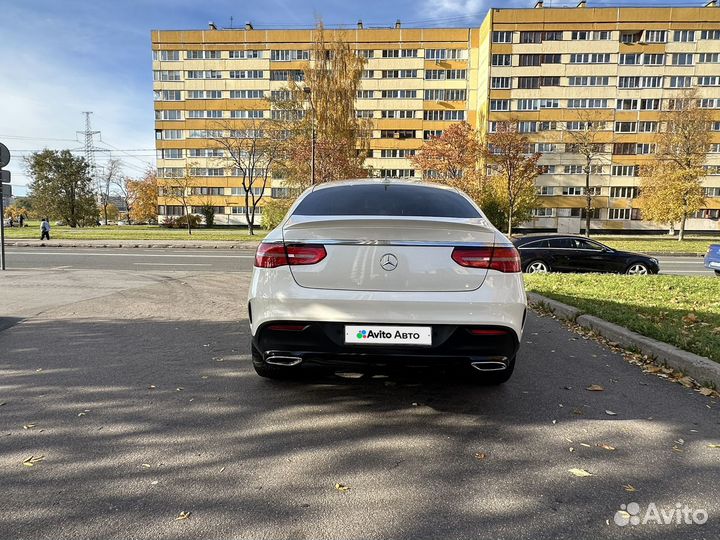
<point x="22" y="220"/>
<point x="45" y="229"/>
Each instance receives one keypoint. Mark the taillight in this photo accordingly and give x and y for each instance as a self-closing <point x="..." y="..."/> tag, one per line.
<point x="274" y="255"/>
<point x="487" y="332"/>
<point x="501" y="258"/>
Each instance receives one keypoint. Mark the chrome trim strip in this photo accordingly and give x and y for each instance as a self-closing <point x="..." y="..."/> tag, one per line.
<point x="416" y="243"/>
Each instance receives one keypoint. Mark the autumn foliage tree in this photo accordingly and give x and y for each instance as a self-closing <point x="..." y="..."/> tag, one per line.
<point x="513" y="171"/>
<point x="141" y="196"/>
<point x="671" y="184"/>
<point x="325" y="104"/>
<point x="453" y="159"/>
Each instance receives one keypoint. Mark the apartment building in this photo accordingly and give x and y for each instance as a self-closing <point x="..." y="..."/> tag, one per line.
<point x="541" y="66"/>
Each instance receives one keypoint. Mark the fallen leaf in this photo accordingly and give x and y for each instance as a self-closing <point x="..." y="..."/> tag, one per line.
<point x="82" y="414"/>
<point x="680" y="441"/>
<point x="579" y="472"/>
<point x="706" y="391"/>
<point x="630" y="488"/>
<point x="342" y="487"/>
<point x="595" y="388"/>
<point x="687" y="382"/>
<point x="571" y="449"/>
<point x="179" y="389"/>
<point x="28" y="426"/>
<point x="690" y="318"/>
<point x="222" y="469"/>
<point x="480" y="456"/>
<point x="677" y="449"/>
<point x="182" y="515"/>
<point x="610" y="413"/>
<point x="203" y="376"/>
<point x="585" y="444"/>
<point x="713" y="445"/>
<point x="652" y="369"/>
<point x="152" y="387"/>
<point x="554" y="421"/>
<point x="154" y="483"/>
<point x="605" y="446"/>
<point x="146" y="465"/>
<point x="33" y="460"/>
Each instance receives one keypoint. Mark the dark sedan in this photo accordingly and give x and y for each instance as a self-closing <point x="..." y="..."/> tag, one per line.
<point x="568" y="253"/>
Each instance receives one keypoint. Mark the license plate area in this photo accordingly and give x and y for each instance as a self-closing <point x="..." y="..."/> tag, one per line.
<point x="371" y="334"/>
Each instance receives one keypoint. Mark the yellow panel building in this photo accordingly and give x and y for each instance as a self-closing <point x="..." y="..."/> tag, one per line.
<point x="541" y="66"/>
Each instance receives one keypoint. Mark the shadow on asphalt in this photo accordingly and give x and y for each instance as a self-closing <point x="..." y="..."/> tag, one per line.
<point x="117" y="405"/>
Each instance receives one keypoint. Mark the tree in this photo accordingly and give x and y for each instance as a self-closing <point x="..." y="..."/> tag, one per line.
<point x="514" y="170"/>
<point x="252" y="152"/>
<point x="325" y="105"/>
<point x="61" y="187"/>
<point x="141" y="197"/>
<point x="111" y="212"/>
<point x="671" y="184"/>
<point x="208" y="212"/>
<point x="180" y="190"/>
<point x="108" y="178"/>
<point x="585" y="140"/>
<point x="453" y="159"/>
<point x="274" y="211"/>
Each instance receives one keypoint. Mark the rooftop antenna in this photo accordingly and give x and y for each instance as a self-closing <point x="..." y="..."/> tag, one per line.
<point x="231" y="22"/>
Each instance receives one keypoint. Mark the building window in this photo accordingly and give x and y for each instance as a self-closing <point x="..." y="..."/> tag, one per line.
<point x="684" y="35"/>
<point x="625" y="127"/>
<point x="708" y="58"/>
<point x="528" y="104"/>
<point x="203" y="55"/>
<point x="367" y="74"/>
<point x="653" y="59"/>
<point x="247" y="94"/>
<point x="364" y="94"/>
<point x="166" y="56"/>
<point x="397" y="134"/>
<point x="204" y="94"/>
<point x="432" y="134"/>
<point x="656" y="36"/>
<point x="623" y="192"/>
<point x="587" y="103"/>
<point x="165" y="75"/>
<point x="590" y="58"/>
<point x="363" y="53"/>
<point x="625" y="170"/>
<point x="446" y="54"/>
<point x="680" y="82"/>
<point x="530" y="37"/>
<point x="588" y="81"/>
<point x="400" y="73"/>
<point x="499" y="104"/>
<point x="527" y="83"/>
<point x="649" y="104"/>
<point x="252" y="113"/>
<point x="529" y="60"/>
<point x="502" y="37"/>
<point x="247" y="74"/>
<point x="172" y="134"/>
<point x="710" y="34"/>
<point x="289" y="55"/>
<point x="203" y="74"/>
<point x="397" y="173"/>
<point x="167" y="95"/>
<point x="709" y="80"/>
<point x="168" y="115"/>
<point x="242" y="55"/>
<point x="682" y="59"/>
<point x="500" y="83"/>
<point x="629" y="59"/>
<point x="652" y="82"/>
<point x="445" y="95"/>
<point x="543" y="212"/>
<point x="709" y="103"/>
<point x="501" y="60"/>
<point x="618" y="214"/>
<point x="545" y="190"/>
<point x="296" y="75"/>
<point x="171" y="153"/>
<point x="399" y="94"/>
<point x="589" y="35"/>
<point x="647" y="127"/>
<point x="401" y="114"/>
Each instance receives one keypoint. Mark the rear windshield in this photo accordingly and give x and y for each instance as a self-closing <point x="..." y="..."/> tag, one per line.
<point x="385" y="200"/>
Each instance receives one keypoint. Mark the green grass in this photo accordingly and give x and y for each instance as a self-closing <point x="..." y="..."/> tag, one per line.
<point x="681" y="310"/>
<point x="134" y="232"/>
<point x="695" y="245"/>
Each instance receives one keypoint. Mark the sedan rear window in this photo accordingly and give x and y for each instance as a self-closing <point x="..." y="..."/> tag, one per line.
<point x="384" y="199"/>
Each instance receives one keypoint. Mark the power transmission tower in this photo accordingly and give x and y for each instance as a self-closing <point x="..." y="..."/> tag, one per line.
<point x="89" y="147"/>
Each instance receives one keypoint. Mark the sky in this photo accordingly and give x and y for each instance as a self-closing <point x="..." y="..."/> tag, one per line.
<point x="60" y="58"/>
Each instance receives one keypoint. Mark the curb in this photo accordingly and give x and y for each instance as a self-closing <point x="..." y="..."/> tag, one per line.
<point x="676" y="254"/>
<point x="181" y="244"/>
<point x="700" y="368"/>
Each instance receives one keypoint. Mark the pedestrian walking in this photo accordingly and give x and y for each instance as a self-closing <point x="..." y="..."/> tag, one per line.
<point x="22" y="220"/>
<point x="45" y="229"/>
<point x="10" y="222"/>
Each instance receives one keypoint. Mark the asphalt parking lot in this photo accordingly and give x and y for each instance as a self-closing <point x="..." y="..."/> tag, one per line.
<point x="136" y="389"/>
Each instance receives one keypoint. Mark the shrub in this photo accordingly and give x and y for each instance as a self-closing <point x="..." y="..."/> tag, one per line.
<point x="274" y="211"/>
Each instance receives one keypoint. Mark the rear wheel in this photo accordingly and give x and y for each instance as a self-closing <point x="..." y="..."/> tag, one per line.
<point x="717" y="272"/>
<point x="537" y="267"/>
<point x="637" y="269"/>
<point x="491" y="378"/>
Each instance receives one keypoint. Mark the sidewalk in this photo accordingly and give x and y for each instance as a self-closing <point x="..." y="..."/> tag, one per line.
<point x="188" y="244"/>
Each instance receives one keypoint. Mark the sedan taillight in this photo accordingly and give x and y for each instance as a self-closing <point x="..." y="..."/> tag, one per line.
<point x="501" y="258"/>
<point x="274" y="255"/>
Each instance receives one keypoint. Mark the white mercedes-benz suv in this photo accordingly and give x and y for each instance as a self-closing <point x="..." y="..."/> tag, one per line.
<point x="386" y="273"/>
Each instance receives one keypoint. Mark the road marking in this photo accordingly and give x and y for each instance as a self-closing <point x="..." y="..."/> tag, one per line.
<point x="172" y="264"/>
<point x="194" y="255"/>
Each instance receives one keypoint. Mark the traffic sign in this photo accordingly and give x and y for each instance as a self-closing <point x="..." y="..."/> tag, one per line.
<point x="6" y="190"/>
<point x="4" y="177"/>
<point x="4" y="155"/>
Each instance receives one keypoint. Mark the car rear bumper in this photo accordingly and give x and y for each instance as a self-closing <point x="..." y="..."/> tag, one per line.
<point x="322" y="344"/>
<point x="275" y="297"/>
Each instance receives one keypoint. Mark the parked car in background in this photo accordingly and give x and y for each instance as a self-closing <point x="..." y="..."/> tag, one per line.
<point x="712" y="258"/>
<point x="389" y="274"/>
<point x="542" y="253"/>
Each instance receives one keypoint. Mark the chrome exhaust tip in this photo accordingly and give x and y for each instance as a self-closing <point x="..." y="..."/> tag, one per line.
<point x="281" y="360"/>
<point x="496" y="364"/>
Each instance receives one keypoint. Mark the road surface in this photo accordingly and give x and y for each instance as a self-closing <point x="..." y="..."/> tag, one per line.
<point x="206" y="260"/>
<point x="134" y="393"/>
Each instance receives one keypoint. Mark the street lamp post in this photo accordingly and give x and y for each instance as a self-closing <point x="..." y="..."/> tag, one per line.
<point x="308" y="91"/>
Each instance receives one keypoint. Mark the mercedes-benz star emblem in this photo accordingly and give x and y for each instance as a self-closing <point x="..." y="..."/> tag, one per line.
<point x="388" y="262"/>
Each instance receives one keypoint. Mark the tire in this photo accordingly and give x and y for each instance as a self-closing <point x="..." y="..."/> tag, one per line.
<point x="491" y="378"/>
<point x="269" y="371"/>
<point x="637" y="269"/>
<point x="537" y="266"/>
<point x="717" y="273"/>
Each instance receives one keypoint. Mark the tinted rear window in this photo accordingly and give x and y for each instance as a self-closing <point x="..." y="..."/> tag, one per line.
<point x="386" y="200"/>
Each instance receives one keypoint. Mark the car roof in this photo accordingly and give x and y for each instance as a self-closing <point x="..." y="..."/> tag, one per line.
<point x="524" y="239"/>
